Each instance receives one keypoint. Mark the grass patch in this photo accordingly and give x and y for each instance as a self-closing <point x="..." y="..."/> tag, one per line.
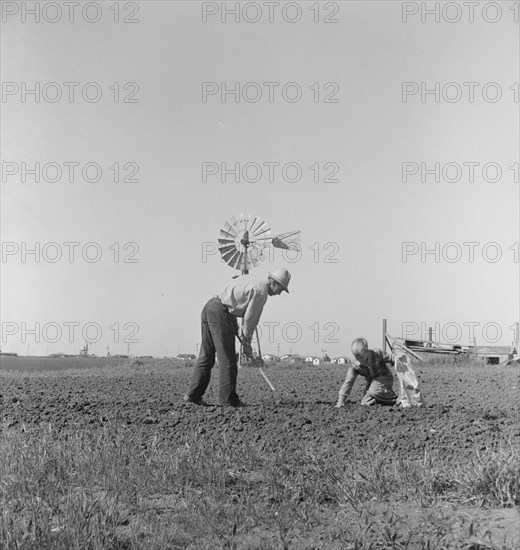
<point x="117" y="488"/>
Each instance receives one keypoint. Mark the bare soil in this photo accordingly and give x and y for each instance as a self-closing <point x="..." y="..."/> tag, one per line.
<point x="468" y="410"/>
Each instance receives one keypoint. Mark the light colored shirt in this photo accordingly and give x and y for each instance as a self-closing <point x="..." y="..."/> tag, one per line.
<point x="245" y="297"/>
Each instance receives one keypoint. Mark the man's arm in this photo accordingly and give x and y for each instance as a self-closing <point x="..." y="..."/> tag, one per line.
<point x="252" y="315"/>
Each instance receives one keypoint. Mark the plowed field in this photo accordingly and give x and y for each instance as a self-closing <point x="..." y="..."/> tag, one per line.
<point x="468" y="409"/>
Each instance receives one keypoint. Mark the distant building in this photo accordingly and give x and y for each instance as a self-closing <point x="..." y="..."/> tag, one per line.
<point x="270" y="358"/>
<point x="494" y="355"/>
<point x="294" y="359"/>
<point x="341" y="360"/>
<point x="186" y="356"/>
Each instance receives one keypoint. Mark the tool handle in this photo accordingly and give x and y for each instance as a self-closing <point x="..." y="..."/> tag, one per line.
<point x="258" y="342"/>
<point x="266" y="379"/>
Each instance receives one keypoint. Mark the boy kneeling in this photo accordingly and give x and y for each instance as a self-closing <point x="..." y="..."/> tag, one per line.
<point x="372" y="365"/>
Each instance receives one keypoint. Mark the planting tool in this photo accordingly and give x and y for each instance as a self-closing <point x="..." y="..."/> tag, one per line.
<point x="261" y="362"/>
<point x="258" y="362"/>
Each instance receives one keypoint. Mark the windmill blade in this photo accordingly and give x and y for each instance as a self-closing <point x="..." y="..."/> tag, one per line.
<point x="258" y="227"/>
<point x="232" y="225"/>
<point x="227" y="248"/>
<point x="229" y="229"/>
<point x="226" y="241"/>
<point x="255" y="223"/>
<point x="249" y="221"/>
<point x="231" y="257"/>
<point x="264" y="238"/>
<point x="287" y="241"/>
<point x="241" y="261"/>
<point x="227" y="235"/>
<point x="262" y="233"/>
<point x="243" y="220"/>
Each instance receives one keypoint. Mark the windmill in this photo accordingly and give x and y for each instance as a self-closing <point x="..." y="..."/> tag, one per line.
<point x="245" y="239"/>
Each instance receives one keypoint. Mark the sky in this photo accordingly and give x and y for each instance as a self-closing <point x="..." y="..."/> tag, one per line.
<point x="410" y="212"/>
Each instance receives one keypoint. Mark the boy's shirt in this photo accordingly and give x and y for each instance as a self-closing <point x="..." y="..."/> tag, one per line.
<point x="375" y="365"/>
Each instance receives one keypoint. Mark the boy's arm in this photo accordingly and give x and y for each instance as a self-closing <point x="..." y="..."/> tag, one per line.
<point x="371" y="368"/>
<point x="387" y="358"/>
<point x="346" y="388"/>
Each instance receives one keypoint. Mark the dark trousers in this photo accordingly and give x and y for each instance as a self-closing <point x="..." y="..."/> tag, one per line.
<point x="218" y="328"/>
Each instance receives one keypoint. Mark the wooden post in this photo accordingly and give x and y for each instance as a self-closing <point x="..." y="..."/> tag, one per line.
<point x="384" y="334"/>
<point x="516" y="340"/>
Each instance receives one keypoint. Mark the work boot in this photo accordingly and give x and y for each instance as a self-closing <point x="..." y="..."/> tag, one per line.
<point x="239" y="404"/>
<point x="189" y="401"/>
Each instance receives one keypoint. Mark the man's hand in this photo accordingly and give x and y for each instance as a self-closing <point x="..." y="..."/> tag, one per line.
<point x="257" y="362"/>
<point x="247" y="351"/>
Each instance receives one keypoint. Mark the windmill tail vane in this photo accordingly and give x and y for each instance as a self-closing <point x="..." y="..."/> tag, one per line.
<point x="287" y="241"/>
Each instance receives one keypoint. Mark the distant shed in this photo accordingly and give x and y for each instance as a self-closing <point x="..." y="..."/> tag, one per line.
<point x="494" y="355"/>
<point x="270" y="358"/>
<point x="186" y="356"/>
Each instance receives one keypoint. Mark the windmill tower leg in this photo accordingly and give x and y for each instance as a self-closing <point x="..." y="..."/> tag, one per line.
<point x="245" y="271"/>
